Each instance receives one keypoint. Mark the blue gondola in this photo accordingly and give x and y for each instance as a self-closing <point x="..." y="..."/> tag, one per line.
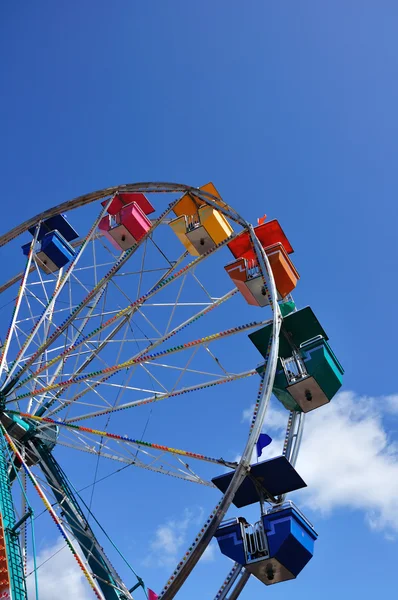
<point x="59" y="223"/>
<point x="53" y="249"/>
<point x="274" y="549"/>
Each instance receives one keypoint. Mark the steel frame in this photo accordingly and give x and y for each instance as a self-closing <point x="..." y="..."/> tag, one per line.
<point x="24" y="364"/>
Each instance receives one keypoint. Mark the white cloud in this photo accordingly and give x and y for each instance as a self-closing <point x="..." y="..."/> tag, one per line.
<point x="347" y="458"/>
<point x="275" y="420"/>
<point x="60" y="573"/>
<point x="171" y="537"/>
<point x="209" y="555"/>
<point x="390" y="403"/>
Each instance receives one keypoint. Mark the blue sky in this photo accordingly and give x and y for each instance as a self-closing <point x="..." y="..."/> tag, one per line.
<point x="290" y="109"/>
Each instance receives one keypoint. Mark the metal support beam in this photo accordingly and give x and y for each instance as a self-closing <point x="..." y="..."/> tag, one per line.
<point x="240" y="585"/>
<point x="108" y="580"/>
<point x="21" y="521"/>
<point x="14" y="564"/>
<point x="229" y="582"/>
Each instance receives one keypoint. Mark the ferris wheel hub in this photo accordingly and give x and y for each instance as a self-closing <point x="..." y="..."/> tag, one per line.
<point x="25" y="433"/>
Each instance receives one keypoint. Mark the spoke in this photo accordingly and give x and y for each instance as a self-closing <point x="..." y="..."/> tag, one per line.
<point x="121" y="386"/>
<point x="39" y="273"/>
<point x="18" y="302"/>
<point x="216" y="360"/>
<point x="176" y="303"/>
<point x="95" y="352"/>
<point x="152" y="376"/>
<point x="123" y="312"/>
<point x="185" y="369"/>
<point x="117" y="266"/>
<point x="128" y="440"/>
<point x="143" y="359"/>
<point x="159" y="397"/>
<point x="58" y="288"/>
<point x="46" y="326"/>
<point x="137" y="463"/>
<point x="201" y="285"/>
<point x="151" y="346"/>
<point x="142" y="269"/>
<point x="152" y="460"/>
<point x="62" y="363"/>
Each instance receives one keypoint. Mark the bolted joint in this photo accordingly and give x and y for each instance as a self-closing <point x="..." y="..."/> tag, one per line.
<point x="15" y="529"/>
<point x="139" y="583"/>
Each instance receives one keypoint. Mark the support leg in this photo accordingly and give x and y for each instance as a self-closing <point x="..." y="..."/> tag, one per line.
<point x="229" y="582"/>
<point x="108" y="580"/>
<point x="12" y="574"/>
<point x="239" y="586"/>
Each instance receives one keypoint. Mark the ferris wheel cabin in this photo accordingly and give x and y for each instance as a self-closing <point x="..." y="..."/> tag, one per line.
<point x="245" y="271"/>
<point x="280" y="544"/>
<point x="274" y="549"/>
<point x="198" y="226"/>
<point x="53" y="250"/>
<point x="309" y="373"/>
<point x="127" y="220"/>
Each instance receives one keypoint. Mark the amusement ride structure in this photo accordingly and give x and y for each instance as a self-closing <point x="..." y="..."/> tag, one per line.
<point x="133" y="296"/>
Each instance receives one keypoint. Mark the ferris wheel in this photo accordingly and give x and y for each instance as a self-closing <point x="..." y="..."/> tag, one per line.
<point x="153" y="296"/>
